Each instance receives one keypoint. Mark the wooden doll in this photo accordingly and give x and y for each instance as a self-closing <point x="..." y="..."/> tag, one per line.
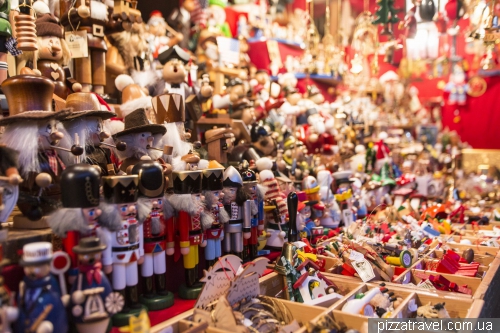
<point x="158" y="235"/>
<point x="52" y="56"/>
<point x="214" y="232"/>
<point x="219" y="142"/>
<point x="157" y="27"/>
<point x="343" y="195"/>
<point x="92" y="298"/>
<point x="180" y="20"/>
<point x="40" y="306"/>
<point x="40" y="137"/>
<point x="125" y="251"/>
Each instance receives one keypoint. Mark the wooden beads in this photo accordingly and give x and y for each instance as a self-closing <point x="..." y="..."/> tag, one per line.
<point x="26" y="32"/>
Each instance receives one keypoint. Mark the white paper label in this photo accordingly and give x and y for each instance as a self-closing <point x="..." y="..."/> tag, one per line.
<point x="426" y="285"/>
<point x="356" y="256"/>
<point x="364" y="270"/>
<point x="347" y="217"/>
<point x="77" y="43"/>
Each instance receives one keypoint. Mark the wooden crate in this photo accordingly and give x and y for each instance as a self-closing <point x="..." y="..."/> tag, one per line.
<point x="457" y="307"/>
<point x="482" y="259"/>
<point x="273" y="285"/>
<point x="477" y="248"/>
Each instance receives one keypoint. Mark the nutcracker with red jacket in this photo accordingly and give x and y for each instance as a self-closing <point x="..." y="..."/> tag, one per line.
<point x="125" y="251"/>
<point x="185" y="207"/>
<point x="158" y="235"/>
<point x="212" y="191"/>
<point x="238" y="205"/>
<point x="80" y="213"/>
<point x="256" y="193"/>
<point x="343" y="195"/>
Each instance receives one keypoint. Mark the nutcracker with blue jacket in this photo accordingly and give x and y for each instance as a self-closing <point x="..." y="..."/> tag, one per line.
<point x="125" y="251"/>
<point x="256" y="194"/>
<point x="93" y="301"/>
<point x="158" y="236"/>
<point x="212" y="191"/>
<point x="238" y="205"/>
<point x="343" y="195"/>
<point x="185" y="206"/>
<point x="40" y="306"/>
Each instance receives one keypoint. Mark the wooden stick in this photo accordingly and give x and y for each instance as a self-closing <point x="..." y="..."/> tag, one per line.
<point x="41" y="318"/>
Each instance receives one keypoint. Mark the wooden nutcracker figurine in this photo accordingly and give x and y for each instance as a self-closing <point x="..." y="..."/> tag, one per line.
<point x="39" y="163"/>
<point x="92" y="298"/>
<point x="40" y="306"/>
<point x="256" y="194"/>
<point x="212" y="191"/>
<point x="187" y="204"/>
<point x="238" y="205"/>
<point x="343" y="195"/>
<point x="158" y="237"/>
<point x="125" y="249"/>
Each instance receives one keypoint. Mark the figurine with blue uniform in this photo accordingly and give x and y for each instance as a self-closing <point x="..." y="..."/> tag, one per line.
<point x="40" y="306"/>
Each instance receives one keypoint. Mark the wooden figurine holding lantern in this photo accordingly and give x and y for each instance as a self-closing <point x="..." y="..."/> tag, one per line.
<point x="40" y="306"/>
<point x="92" y="298"/>
<point x="87" y="121"/>
<point x="53" y="56"/>
<point x="158" y="235"/>
<point x="186" y="207"/>
<point x="125" y="251"/>
<point x="39" y="163"/>
<point x="214" y="232"/>
<point x="238" y="205"/>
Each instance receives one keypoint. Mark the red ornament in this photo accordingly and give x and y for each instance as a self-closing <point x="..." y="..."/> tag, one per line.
<point x="451" y="9"/>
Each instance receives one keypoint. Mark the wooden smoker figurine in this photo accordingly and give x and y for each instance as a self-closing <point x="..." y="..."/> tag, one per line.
<point x="238" y="205"/>
<point x="214" y="232"/>
<point x="40" y="306"/>
<point x="39" y="163"/>
<point x="187" y="204"/>
<point x="158" y="236"/>
<point x="92" y="299"/>
<point x="125" y="249"/>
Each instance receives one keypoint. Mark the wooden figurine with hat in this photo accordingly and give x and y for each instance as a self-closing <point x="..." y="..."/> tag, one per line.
<point x="80" y="214"/>
<point x="255" y="193"/>
<point x="138" y="136"/>
<point x="31" y="129"/>
<point x="125" y="251"/>
<point x="214" y="232"/>
<point x="219" y="142"/>
<point x="53" y="56"/>
<point x="157" y="27"/>
<point x="93" y="301"/>
<point x="305" y="209"/>
<point x="343" y="195"/>
<point x="87" y="121"/>
<point x="40" y="306"/>
<point x="237" y="204"/>
<point x="9" y="182"/>
<point x="158" y="235"/>
<point x="186" y="208"/>
<point x="180" y="20"/>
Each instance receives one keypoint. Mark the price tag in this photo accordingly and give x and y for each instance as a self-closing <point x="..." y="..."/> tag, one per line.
<point x="364" y="270"/>
<point x="356" y="256"/>
<point x="426" y="285"/>
<point x="77" y="43"/>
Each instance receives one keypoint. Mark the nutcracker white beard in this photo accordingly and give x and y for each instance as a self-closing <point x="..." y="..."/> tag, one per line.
<point x="172" y="138"/>
<point x="184" y="202"/>
<point x="67" y="219"/>
<point x="24" y="139"/>
<point x="80" y="127"/>
<point x="98" y="11"/>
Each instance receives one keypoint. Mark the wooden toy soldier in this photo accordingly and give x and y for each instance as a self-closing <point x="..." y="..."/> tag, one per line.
<point x="80" y="213"/>
<point x="187" y="204"/>
<point x="256" y="194"/>
<point x="158" y="236"/>
<point x="40" y="306"/>
<point x="212" y="191"/>
<point x="92" y="298"/>
<point x="125" y="249"/>
<point x="238" y="206"/>
<point x="26" y="94"/>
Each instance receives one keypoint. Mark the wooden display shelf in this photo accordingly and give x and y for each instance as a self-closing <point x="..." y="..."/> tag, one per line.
<point x="482" y="259"/>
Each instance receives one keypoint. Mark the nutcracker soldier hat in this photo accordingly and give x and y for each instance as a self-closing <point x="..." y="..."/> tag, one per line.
<point x="37" y="253"/>
<point x="120" y="189"/>
<point x="89" y="245"/>
<point x="174" y="52"/>
<point x="248" y="175"/>
<point x="169" y="108"/>
<point x="80" y="186"/>
<point x="187" y="182"/>
<point x="342" y="177"/>
<point x="232" y="177"/>
<point x="151" y="178"/>
<point x="84" y="104"/>
<point x="137" y="122"/>
<point x="30" y="99"/>
<point x="212" y="177"/>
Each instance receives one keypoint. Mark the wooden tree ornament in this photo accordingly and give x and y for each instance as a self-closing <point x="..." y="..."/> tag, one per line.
<point x="25" y="29"/>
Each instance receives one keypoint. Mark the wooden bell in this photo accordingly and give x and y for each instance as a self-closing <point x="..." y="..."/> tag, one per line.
<point x="26" y="32"/>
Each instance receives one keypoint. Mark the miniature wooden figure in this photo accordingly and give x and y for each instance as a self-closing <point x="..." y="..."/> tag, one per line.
<point x="9" y="181"/>
<point x="343" y="195"/>
<point x="126" y="245"/>
<point x="92" y="299"/>
<point x="37" y="154"/>
<point x="158" y="236"/>
<point x="238" y="205"/>
<point x="214" y="232"/>
<point x="40" y="306"/>
<point x="219" y="143"/>
<point x="8" y="311"/>
<point x="157" y="27"/>
<point x="5" y="40"/>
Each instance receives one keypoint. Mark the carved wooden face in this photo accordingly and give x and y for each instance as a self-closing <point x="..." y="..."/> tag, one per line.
<point x="157" y="204"/>
<point x="36" y="272"/>
<point x="91" y="215"/>
<point x="128" y="210"/>
<point x="50" y="48"/>
<point x="48" y="133"/>
<point x="174" y="71"/>
<point x="89" y="258"/>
